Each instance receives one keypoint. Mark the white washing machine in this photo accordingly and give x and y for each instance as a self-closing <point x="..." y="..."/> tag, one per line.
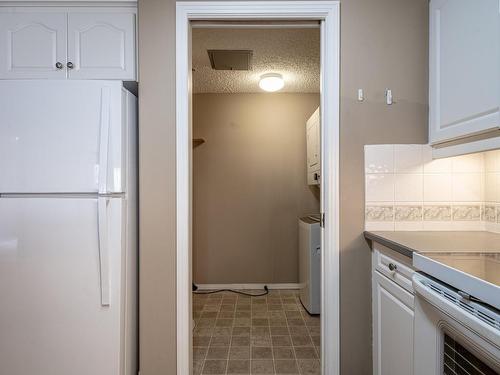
<point x="310" y="263"/>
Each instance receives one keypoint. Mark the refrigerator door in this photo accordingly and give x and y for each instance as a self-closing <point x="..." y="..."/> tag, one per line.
<point x="61" y="275"/>
<point x="61" y="137"/>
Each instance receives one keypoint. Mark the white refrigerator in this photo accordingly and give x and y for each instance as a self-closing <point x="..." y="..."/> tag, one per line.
<point x="68" y="228"/>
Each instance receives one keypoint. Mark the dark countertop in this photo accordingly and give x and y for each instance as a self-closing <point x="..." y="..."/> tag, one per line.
<point x="407" y="243"/>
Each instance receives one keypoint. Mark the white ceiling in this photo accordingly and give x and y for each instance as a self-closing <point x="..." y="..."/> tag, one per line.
<point x="293" y="52"/>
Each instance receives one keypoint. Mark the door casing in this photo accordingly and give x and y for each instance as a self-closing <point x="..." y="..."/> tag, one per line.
<point x="328" y="13"/>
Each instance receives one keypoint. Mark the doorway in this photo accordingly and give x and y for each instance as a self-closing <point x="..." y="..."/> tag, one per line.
<point x="327" y="13"/>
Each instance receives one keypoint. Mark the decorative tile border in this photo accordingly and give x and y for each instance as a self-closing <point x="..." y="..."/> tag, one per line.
<point x="467" y="213"/>
<point x="489" y="213"/>
<point x="395" y="202"/>
<point x="408" y="213"/>
<point x="379" y="213"/>
<point x="437" y="213"/>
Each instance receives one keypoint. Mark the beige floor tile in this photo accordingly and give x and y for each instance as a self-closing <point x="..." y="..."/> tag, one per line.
<point x="197" y="367"/>
<point x="281" y="340"/>
<point x="241" y="331"/>
<point x="220" y="341"/>
<point x="224" y="322"/>
<point x="201" y="340"/>
<point x="305" y="352"/>
<point x="309" y="367"/>
<point x="218" y="352"/>
<point x="260" y="322"/>
<point x="236" y="334"/>
<point x="261" y="367"/>
<point x="261" y="340"/>
<point x="238" y="367"/>
<point x="286" y="366"/>
<point x="296" y="322"/>
<point x="203" y="331"/>
<point x="240" y="341"/>
<point x="275" y="331"/>
<point x="301" y="340"/>
<point x="285" y="352"/>
<point x="199" y="352"/>
<point x="214" y="367"/>
<point x="242" y="314"/>
<point x="239" y="352"/>
<point x="261" y="352"/>
<point x="298" y="330"/>
<point x="277" y="322"/>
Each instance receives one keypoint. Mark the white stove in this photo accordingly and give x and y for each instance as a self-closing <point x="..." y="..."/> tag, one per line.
<point x="457" y="316"/>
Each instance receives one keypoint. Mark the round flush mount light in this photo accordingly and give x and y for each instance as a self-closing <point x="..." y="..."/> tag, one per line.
<point x="271" y="82"/>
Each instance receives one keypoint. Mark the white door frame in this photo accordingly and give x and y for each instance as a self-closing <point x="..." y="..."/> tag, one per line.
<point x="329" y="13"/>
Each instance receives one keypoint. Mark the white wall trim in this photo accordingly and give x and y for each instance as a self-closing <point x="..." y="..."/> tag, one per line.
<point x="328" y="12"/>
<point x="252" y="286"/>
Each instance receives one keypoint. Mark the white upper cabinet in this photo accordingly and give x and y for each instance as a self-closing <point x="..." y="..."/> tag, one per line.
<point x="464" y="68"/>
<point x="32" y="45"/>
<point x="75" y="43"/>
<point x="101" y="45"/>
<point x="313" y="149"/>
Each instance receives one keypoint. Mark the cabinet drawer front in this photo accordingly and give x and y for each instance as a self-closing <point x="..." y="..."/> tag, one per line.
<point x="395" y="270"/>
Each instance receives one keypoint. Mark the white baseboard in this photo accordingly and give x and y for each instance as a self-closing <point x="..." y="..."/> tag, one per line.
<point x="248" y="286"/>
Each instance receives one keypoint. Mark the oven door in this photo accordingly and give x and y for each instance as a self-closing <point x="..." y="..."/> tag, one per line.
<point x="453" y="335"/>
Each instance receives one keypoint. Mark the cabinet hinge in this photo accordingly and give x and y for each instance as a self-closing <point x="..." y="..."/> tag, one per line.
<point x="322" y="220"/>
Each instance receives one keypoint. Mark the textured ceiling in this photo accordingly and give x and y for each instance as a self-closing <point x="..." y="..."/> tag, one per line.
<point x="293" y="52"/>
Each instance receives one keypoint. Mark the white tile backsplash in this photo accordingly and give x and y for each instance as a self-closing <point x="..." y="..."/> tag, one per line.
<point x="437" y="187"/>
<point x="408" y="187"/>
<point x="492" y="161"/>
<point x="406" y="190"/>
<point x="492" y="187"/>
<point x="473" y="163"/>
<point x="408" y="158"/>
<point x="380" y="187"/>
<point x="379" y="159"/>
<point x="434" y="166"/>
<point x="467" y="187"/>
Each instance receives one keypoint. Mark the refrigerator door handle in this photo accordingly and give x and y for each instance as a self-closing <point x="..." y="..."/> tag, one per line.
<point x="102" y="223"/>
<point x="104" y="140"/>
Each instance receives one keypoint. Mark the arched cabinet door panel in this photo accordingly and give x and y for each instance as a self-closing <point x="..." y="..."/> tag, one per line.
<point x="101" y="46"/>
<point x="32" y="45"/>
<point x="464" y="75"/>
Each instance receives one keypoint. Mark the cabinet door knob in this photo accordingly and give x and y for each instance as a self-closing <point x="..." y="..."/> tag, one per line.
<point x="393" y="267"/>
<point x="59" y="65"/>
<point x="70" y="65"/>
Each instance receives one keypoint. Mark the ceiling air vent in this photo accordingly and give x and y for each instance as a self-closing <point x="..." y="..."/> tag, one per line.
<point x="227" y="59"/>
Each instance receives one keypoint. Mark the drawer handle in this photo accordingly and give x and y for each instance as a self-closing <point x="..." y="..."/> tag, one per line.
<point x="393" y="267"/>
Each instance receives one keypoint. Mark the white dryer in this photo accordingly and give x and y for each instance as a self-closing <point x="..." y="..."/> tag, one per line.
<point x="310" y="263"/>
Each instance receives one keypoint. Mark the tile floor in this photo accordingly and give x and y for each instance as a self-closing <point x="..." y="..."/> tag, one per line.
<point x="235" y="334"/>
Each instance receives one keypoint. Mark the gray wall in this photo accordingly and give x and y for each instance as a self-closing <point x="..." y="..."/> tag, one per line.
<point x="250" y="186"/>
<point x="383" y="44"/>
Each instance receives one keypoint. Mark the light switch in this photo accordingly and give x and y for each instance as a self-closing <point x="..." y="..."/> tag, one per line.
<point x="388" y="96"/>
<point x="361" y="95"/>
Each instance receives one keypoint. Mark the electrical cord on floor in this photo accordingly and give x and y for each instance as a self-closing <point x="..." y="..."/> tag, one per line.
<point x="266" y="291"/>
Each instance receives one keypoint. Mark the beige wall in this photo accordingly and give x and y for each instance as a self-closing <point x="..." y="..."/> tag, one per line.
<point x="250" y="186"/>
<point x="383" y="44"/>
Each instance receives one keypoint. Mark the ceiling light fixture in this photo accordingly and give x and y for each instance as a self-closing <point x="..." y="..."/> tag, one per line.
<point x="271" y="82"/>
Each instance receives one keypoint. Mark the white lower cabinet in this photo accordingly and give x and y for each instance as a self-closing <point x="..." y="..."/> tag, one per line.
<point x="393" y="318"/>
